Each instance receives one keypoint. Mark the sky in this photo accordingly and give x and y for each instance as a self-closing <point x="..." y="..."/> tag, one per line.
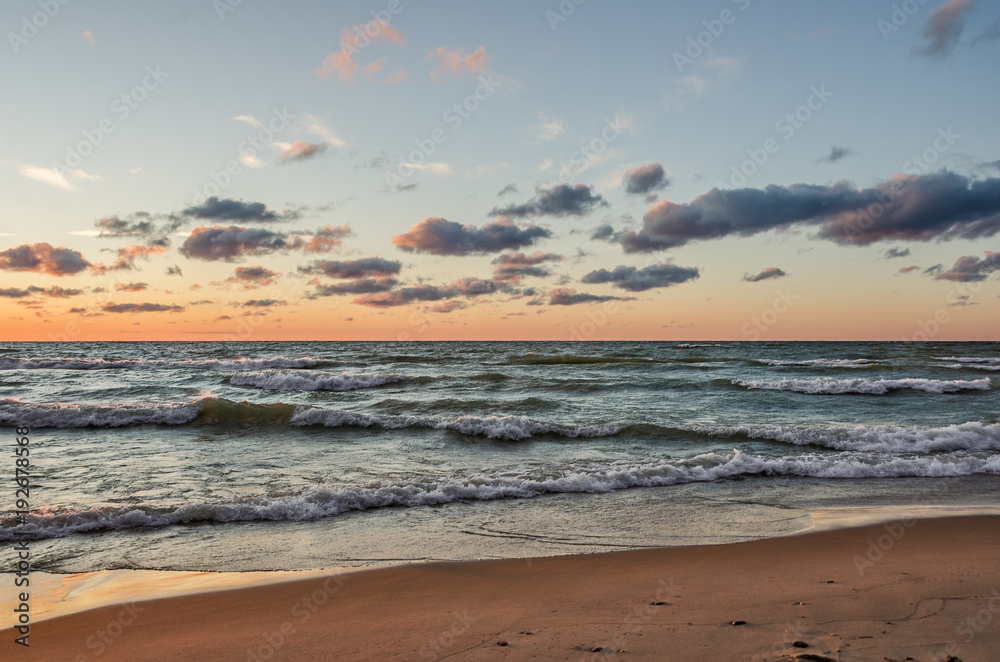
<point x="437" y="170"/>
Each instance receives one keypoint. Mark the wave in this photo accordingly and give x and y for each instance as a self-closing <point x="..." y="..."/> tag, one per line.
<point x="572" y="359"/>
<point x="512" y="428"/>
<point x="822" y="363"/>
<point x="970" y="366"/>
<point x="327" y="501"/>
<point x="220" y="411"/>
<point x="973" y="436"/>
<point x="240" y="363"/>
<point x="832" y="386"/>
<point x="966" y="359"/>
<point x="314" y="381"/>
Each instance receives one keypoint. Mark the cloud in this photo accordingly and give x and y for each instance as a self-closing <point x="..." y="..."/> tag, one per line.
<point x="131" y="287"/>
<point x="352" y="41"/>
<point x="512" y="267"/>
<point x="301" y="151"/>
<point x="448" y="306"/>
<point x="324" y="240"/>
<point x="439" y="236"/>
<point x="358" y="286"/>
<point x="404" y="296"/>
<point x="549" y="128"/>
<point x="216" y="209"/>
<point x="140" y="224"/>
<point x="512" y="188"/>
<point x="88" y="35"/>
<point x="944" y="28"/>
<point x="891" y="253"/>
<point x="638" y="280"/>
<point x="567" y="296"/>
<point x="906" y="270"/>
<point x="933" y="271"/>
<point x="766" y="274"/>
<point x="836" y="154"/>
<point x="969" y="268"/>
<point x="263" y="303"/>
<point x="127" y="255"/>
<point x="140" y="308"/>
<point x="365" y="267"/>
<point x="557" y="200"/>
<point x="456" y="62"/>
<point x="941" y="205"/>
<point x="54" y="292"/>
<point x="645" y="179"/>
<point x="315" y="126"/>
<point x="397" y="77"/>
<point x="63" y="178"/>
<point x="473" y="287"/>
<point x="174" y="271"/>
<point x="43" y="258"/>
<point x="230" y="242"/>
<point x="251" y="277"/>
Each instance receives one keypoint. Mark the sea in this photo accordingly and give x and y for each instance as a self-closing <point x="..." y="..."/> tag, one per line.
<point x="311" y="455"/>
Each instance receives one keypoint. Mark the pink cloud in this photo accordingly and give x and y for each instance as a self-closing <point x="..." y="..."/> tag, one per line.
<point x="397" y="77"/>
<point x="352" y="41"/>
<point x="457" y="62"/>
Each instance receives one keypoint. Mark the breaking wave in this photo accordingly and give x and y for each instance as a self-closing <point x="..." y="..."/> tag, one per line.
<point x="832" y="386"/>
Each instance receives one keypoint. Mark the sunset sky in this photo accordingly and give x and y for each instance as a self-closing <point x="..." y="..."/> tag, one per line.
<point x="430" y="170"/>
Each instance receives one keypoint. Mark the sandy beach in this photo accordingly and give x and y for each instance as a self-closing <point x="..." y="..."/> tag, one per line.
<point x="910" y="589"/>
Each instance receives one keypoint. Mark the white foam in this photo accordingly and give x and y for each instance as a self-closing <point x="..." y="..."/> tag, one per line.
<point x="822" y="363"/>
<point x="494" y="427"/>
<point x="316" y="381"/>
<point x="966" y="359"/>
<point x="102" y="416"/>
<point x="332" y="500"/>
<point x="970" y="366"/>
<point x="832" y="386"/>
<point x="973" y="436"/>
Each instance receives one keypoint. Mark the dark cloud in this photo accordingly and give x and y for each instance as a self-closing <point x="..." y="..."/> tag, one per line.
<point x="404" y="296"/>
<point x="558" y="200"/>
<point x="567" y="296"/>
<point x="512" y="267"/>
<point x="251" y="277"/>
<point x="365" y="267"/>
<point x="127" y="255"/>
<point x="174" y="271"/>
<point x="933" y="271"/>
<point x="442" y="237"/>
<point x="359" y="286"/>
<point x="54" y="292"/>
<point x="230" y="242"/>
<point x="991" y="33"/>
<point x="448" y="306"/>
<point x="43" y="258"/>
<point x="301" y="151"/>
<point x="263" y="303"/>
<point x="891" y="253"/>
<point x="836" y="154"/>
<point x="131" y="287"/>
<point x="605" y="233"/>
<point x="226" y="209"/>
<point x="140" y="308"/>
<point x="645" y="179"/>
<point x="944" y="28"/>
<point x="766" y="274"/>
<point x="153" y="229"/>
<point x="906" y="270"/>
<point x="510" y="188"/>
<point x="969" y="268"/>
<point x="943" y="205"/>
<point x="473" y="287"/>
<point x="637" y="280"/>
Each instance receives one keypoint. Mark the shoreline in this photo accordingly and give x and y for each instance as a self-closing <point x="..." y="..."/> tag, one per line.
<point x="925" y="576"/>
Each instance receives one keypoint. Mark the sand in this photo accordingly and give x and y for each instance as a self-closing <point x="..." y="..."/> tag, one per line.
<point x="914" y="589"/>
